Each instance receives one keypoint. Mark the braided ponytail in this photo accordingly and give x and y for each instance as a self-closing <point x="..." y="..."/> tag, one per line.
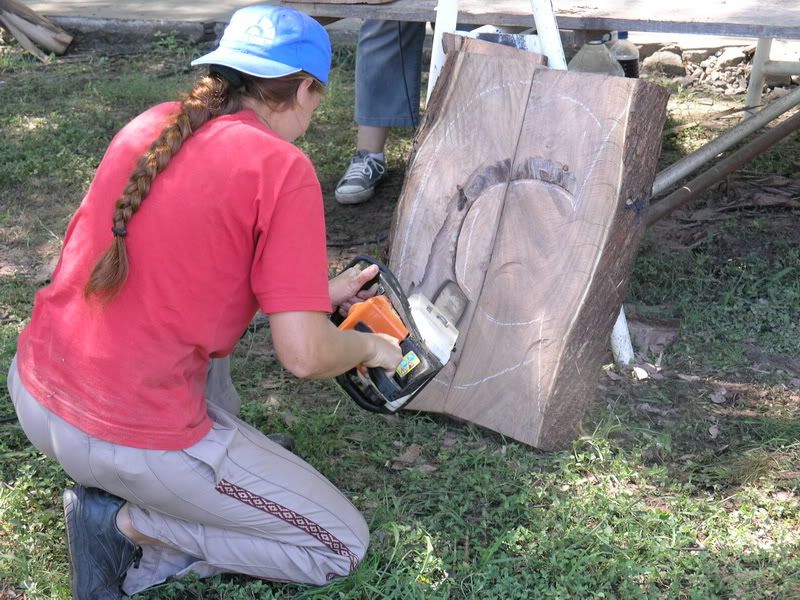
<point x="222" y="92"/>
<point x="211" y="97"/>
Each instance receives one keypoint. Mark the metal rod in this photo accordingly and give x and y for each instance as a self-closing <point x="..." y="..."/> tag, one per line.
<point x="677" y="171"/>
<point x="782" y="67"/>
<point x="757" y="75"/>
<point x="699" y="184"/>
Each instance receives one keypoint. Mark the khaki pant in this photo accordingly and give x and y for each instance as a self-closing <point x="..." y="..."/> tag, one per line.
<point x="235" y="502"/>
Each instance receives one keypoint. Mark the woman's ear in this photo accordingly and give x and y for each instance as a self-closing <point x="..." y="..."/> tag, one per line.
<point x="304" y="91"/>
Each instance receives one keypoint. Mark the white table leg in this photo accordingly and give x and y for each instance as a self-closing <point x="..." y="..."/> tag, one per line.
<point x="757" y="75"/>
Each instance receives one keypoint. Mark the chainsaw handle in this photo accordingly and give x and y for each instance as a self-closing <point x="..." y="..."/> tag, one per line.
<point x="385" y="384"/>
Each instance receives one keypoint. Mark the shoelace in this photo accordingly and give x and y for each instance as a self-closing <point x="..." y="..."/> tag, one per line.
<point x="365" y="167"/>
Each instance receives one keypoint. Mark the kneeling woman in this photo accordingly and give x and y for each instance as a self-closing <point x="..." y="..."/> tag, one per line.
<point x="201" y="212"/>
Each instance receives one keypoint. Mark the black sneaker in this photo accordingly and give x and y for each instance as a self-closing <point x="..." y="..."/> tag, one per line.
<point x="282" y="440"/>
<point x="99" y="553"/>
<point x="360" y="179"/>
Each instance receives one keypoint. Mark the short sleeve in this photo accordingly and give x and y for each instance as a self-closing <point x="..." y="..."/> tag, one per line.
<point x="290" y="266"/>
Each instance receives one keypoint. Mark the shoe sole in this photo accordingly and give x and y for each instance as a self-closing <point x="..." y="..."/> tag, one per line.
<point x="354" y="198"/>
<point x="70" y="501"/>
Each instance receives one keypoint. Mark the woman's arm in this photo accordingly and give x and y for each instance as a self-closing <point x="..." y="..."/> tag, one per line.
<point x="311" y="347"/>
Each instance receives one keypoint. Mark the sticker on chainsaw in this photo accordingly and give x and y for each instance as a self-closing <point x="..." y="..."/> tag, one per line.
<point x="409" y="362"/>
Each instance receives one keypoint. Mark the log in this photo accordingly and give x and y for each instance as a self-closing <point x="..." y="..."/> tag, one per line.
<point x="525" y="187"/>
<point x="454" y="43"/>
<point x="31" y="29"/>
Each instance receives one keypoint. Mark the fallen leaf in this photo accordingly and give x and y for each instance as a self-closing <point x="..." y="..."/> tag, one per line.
<point x="718" y="396"/>
<point x="708" y="214"/>
<point x="288" y="418"/>
<point x="772" y="200"/>
<point x="358" y="436"/>
<point x="774" y="180"/>
<point x="410" y="456"/>
<point x="450" y="439"/>
<point x="271" y="400"/>
<point x="652" y="370"/>
<point x="639" y="373"/>
<point x="713" y="431"/>
<point x="651" y="338"/>
<point x="426" y="468"/>
<point x="392" y="419"/>
<point x="649" y="408"/>
<point x="689" y="377"/>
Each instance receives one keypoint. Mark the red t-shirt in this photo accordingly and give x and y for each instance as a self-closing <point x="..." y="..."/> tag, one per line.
<point x="234" y="222"/>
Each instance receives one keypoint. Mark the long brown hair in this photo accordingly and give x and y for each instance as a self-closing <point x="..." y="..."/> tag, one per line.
<point x="219" y="93"/>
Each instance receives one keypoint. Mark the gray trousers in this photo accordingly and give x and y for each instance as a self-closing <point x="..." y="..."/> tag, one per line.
<point x="235" y="502"/>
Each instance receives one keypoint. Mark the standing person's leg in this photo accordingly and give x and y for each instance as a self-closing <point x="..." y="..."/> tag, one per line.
<point x="388" y="72"/>
<point x="233" y="502"/>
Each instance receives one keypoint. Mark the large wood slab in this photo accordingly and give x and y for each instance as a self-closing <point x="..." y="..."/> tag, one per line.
<point x="524" y="188"/>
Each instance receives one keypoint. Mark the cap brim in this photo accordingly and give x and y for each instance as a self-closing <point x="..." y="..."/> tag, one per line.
<point x="244" y="63"/>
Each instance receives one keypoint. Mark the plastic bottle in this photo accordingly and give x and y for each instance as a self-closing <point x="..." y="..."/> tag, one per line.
<point x="609" y="38"/>
<point x="627" y="54"/>
<point x="594" y="57"/>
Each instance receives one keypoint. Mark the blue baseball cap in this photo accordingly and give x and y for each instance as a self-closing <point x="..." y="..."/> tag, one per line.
<point x="272" y="41"/>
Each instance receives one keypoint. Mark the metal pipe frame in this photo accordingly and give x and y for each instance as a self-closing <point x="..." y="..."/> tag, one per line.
<point x="691" y="162"/>
<point x="699" y="184"/>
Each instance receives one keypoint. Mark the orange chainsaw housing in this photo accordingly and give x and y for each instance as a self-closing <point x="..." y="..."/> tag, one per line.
<point x="379" y="315"/>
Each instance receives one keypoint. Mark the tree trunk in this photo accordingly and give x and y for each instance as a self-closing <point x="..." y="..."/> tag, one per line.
<point x="525" y="187"/>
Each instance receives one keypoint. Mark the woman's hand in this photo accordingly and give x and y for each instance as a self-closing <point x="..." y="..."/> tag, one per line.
<point x="345" y="289"/>
<point x="386" y="355"/>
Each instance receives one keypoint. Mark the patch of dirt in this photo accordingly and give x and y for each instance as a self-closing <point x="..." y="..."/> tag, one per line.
<point x="362" y="228"/>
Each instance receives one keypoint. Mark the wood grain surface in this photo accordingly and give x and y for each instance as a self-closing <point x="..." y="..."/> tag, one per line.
<point x="524" y="188"/>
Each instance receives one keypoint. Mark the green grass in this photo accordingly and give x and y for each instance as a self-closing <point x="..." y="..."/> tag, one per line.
<point x="739" y="285"/>
<point x="665" y="494"/>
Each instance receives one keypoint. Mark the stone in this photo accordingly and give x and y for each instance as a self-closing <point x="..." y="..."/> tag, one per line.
<point x="778" y="92"/>
<point x="709" y="62"/>
<point x="648" y="49"/>
<point x="697" y="55"/>
<point x="730" y="57"/>
<point x="674" y="48"/>
<point x="665" y="62"/>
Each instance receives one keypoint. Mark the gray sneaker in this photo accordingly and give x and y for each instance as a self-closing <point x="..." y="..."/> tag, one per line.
<point x="360" y="179"/>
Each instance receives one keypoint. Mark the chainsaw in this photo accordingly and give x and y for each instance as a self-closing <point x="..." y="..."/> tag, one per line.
<point x="426" y="331"/>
